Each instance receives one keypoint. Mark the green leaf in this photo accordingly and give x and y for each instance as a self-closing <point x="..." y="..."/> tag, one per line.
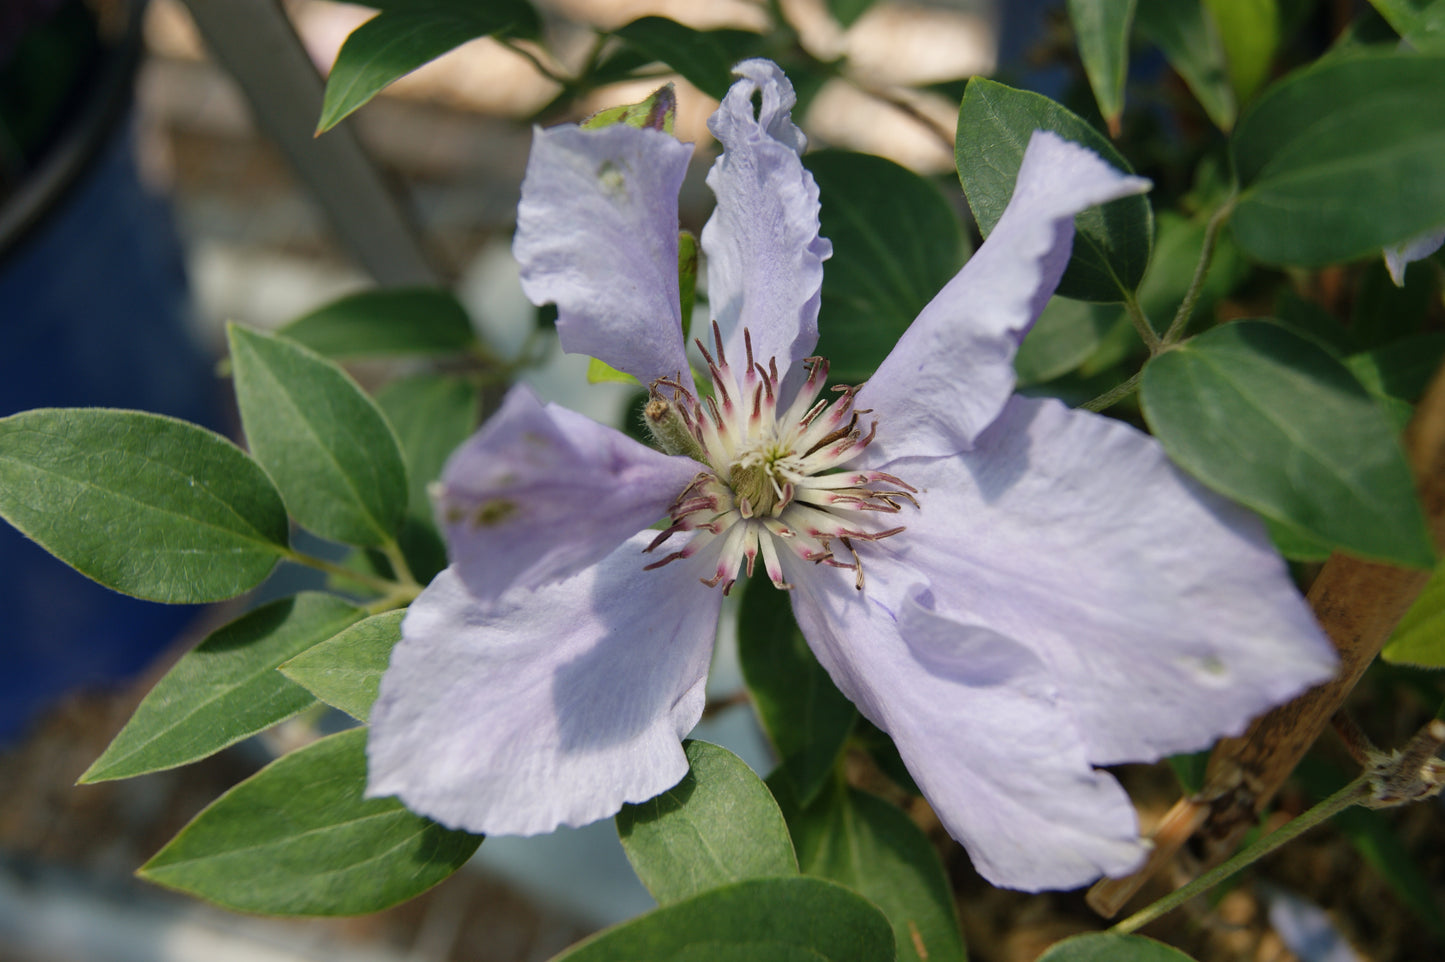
<point x="879" y="746"/>
<point x="146" y="505"/>
<point x="896" y="242"/>
<point x="1272" y="420"/>
<point x="1420" y="22"/>
<point x="1314" y="322"/>
<point x="847" y="12"/>
<point x="1402" y="369"/>
<point x="995" y="122"/>
<point x="326" y="444"/>
<point x="806" y="717"/>
<point x="1191" y="770"/>
<point x="1295" y="544"/>
<point x="345" y="670"/>
<point x="1322" y="155"/>
<point x="406" y="35"/>
<point x="1419" y="638"/>
<point x="1107" y="947"/>
<point x="871" y="846"/>
<point x="600" y="372"/>
<point x="402" y="320"/>
<point x="705" y="58"/>
<point x="1102" y="30"/>
<point x="1383" y="313"/>
<point x="224" y="690"/>
<point x="1064" y="336"/>
<point x="774" y="919"/>
<point x="686" y="278"/>
<point x="717" y="826"/>
<point x="1250" y="32"/>
<point x="657" y="112"/>
<point x="298" y="838"/>
<point x="432" y="414"/>
<point x="1186" y="33"/>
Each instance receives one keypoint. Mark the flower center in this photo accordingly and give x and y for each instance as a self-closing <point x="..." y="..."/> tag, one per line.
<point x="774" y="479"/>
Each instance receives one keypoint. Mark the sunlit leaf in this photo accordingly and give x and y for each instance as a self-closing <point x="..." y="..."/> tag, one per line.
<point x="1322" y="156"/>
<point x="717" y="826"/>
<point x="407" y="34"/>
<point x="147" y="505"/>
<point x="1102" y="30"/>
<point x="323" y="441"/>
<point x="995" y="123"/>
<point x="345" y="670"/>
<point x="1275" y="421"/>
<point x="226" y="689"/>
<point x="299" y="838"/>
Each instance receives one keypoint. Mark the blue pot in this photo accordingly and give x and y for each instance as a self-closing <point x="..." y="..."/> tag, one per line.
<point x="93" y="312"/>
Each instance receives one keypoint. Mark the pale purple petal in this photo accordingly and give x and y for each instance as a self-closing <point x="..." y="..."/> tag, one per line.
<point x="539" y="493"/>
<point x="952" y="371"/>
<point x="1414" y="249"/>
<point x="764" y="255"/>
<point x="550" y="707"/>
<point x="597" y="236"/>
<point x="978" y="722"/>
<point x="1306" y="929"/>
<point x="1161" y="609"/>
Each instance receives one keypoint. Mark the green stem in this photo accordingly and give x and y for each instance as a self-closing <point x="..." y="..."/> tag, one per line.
<point x="1351" y="794"/>
<point x="398" y="597"/>
<point x="404" y="578"/>
<point x="1141" y="323"/>
<point x="1201" y="271"/>
<point x="382" y="586"/>
<point x="1114" y="395"/>
<point x="567" y="83"/>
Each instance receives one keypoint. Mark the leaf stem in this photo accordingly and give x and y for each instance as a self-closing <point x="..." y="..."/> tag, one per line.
<point x="1142" y="324"/>
<point x="1201" y="271"/>
<point x="382" y="586"/>
<point x="404" y="578"/>
<point x="932" y="127"/>
<point x="1114" y="395"/>
<point x="1352" y="794"/>
<point x="567" y="83"/>
<point x="398" y="597"/>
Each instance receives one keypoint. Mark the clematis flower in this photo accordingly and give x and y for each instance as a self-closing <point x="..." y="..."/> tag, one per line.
<point x="1015" y="591"/>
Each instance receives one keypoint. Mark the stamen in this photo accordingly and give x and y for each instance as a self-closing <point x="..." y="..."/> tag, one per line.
<point x="722" y="359"/>
<point x="675" y="556"/>
<point x="712" y="365"/>
<point x="663" y="536"/>
<point x="772" y="479"/>
<point x="720" y="383"/>
<point x="812" y="413"/>
<point x="857" y="563"/>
